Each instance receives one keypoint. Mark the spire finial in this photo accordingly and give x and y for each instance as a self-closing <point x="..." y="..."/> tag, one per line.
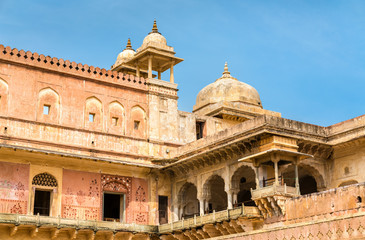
<point x="226" y="74"/>
<point x="226" y="69"/>
<point x="129" y="45"/>
<point x="154" y="28"/>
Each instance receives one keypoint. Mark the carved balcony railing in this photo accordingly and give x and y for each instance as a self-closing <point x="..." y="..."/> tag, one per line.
<point x="271" y="199"/>
<point x="272" y="190"/>
<point x="243" y="211"/>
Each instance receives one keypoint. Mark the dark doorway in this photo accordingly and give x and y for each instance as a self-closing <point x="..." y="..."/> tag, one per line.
<point x="42" y="202"/>
<point x="113" y="207"/>
<point x="307" y="185"/>
<point x="162" y="209"/>
<point x="244" y="197"/>
<point x="199" y="130"/>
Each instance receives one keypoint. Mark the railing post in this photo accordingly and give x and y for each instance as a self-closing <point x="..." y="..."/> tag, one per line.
<point x="214" y="215"/>
<point x="194" y="219"/>
<point x="227" y="213"/>
<point x="38" y="220"/>
<point x="243" y="209"/>
<point x="285" y="188"/>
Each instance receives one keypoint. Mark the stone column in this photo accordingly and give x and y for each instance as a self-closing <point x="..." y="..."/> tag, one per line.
<point x="229" y="200"/>
<point x="275" y="160"/>
<point x="172" y="72"/>
<point x="159" y="75"/>
<point x="150" y="67"/>
<point x="235" y="193"/>
<point x="176" y="213"/>
<point x="296" y="175"/>
<point x="201" y="206"/>
<point x="257" y="179"/>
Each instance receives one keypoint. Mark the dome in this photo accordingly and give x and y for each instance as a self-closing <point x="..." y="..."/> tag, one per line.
<point x="227" y="88"/>
<point x="126" y="54"/>
<point x="155" y="36"/>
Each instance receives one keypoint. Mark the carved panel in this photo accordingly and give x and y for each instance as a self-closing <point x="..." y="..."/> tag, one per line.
<point x="81" y="195"/>
<point x="14" y="187"/>
<point x="119" y="184"/>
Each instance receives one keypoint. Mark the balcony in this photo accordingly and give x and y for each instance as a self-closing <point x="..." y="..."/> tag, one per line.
<point x="196" y="221"/>
<point x="269" y="188"/>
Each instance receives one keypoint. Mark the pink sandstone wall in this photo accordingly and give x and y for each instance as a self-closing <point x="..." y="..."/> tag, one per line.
<point x="334" y="202"/>
<point x="14" y="185"/>
<point x="81" y="195"/>
<point x="139" y="203"/>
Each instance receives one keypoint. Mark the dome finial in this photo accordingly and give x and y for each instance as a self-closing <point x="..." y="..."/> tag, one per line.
<point x="129" y="44"/>
<point x="226" y="74"/>
<point x="154" y="28"/>
<point x="226" y="69"/>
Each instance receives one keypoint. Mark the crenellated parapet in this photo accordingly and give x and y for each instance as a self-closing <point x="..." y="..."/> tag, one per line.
<point x="72" y="68"/>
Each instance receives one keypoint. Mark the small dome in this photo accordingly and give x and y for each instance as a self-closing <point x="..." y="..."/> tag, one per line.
<point x="126" y="54"/>
<point x="154" y="36"/>
<point x="227" y="88"/>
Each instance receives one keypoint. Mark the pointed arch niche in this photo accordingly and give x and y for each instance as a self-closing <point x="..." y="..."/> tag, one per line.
<point x="116" y="119"/>
<point x="4" y="90"/>
<point x="138" y="121"/>
<point x="93" y="114"/>
<point x="48" y="109"/>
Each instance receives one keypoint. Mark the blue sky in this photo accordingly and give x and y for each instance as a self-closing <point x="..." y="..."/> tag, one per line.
<point x="305" y="58"/>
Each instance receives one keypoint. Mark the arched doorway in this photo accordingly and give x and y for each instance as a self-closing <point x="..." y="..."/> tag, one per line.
<point x="307" y="181"/>
<point x="188" y="201"/>
<point x="216" y="196"/>
<point x="242" y="181"/>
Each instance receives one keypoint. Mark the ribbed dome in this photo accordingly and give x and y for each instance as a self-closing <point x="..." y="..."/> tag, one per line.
<point x="154" y="36"/>
<point x="227" y="88"/>
<point x="126" y="54"/>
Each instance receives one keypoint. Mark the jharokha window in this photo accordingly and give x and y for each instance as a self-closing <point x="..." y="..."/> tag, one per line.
<point x="44" y="187"/>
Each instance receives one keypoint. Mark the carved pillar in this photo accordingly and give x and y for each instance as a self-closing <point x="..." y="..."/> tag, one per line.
<point x="150" y="67"/>
<point x="234" y="196"/>
<point x="159" y="75"/>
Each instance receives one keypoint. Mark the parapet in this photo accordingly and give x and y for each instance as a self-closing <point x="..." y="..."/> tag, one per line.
<point x="72" y="68"/>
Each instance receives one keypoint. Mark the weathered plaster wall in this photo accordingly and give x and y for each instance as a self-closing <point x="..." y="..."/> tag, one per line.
<point x="81" y="195"/>
<point x="334" y="202"/>
<point x="14" y="185"/>
<point x="348" y="163"/>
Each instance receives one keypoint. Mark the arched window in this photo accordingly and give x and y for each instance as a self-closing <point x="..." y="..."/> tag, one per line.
<point x="48" y="106"/>
<point x="44" y="187"/>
